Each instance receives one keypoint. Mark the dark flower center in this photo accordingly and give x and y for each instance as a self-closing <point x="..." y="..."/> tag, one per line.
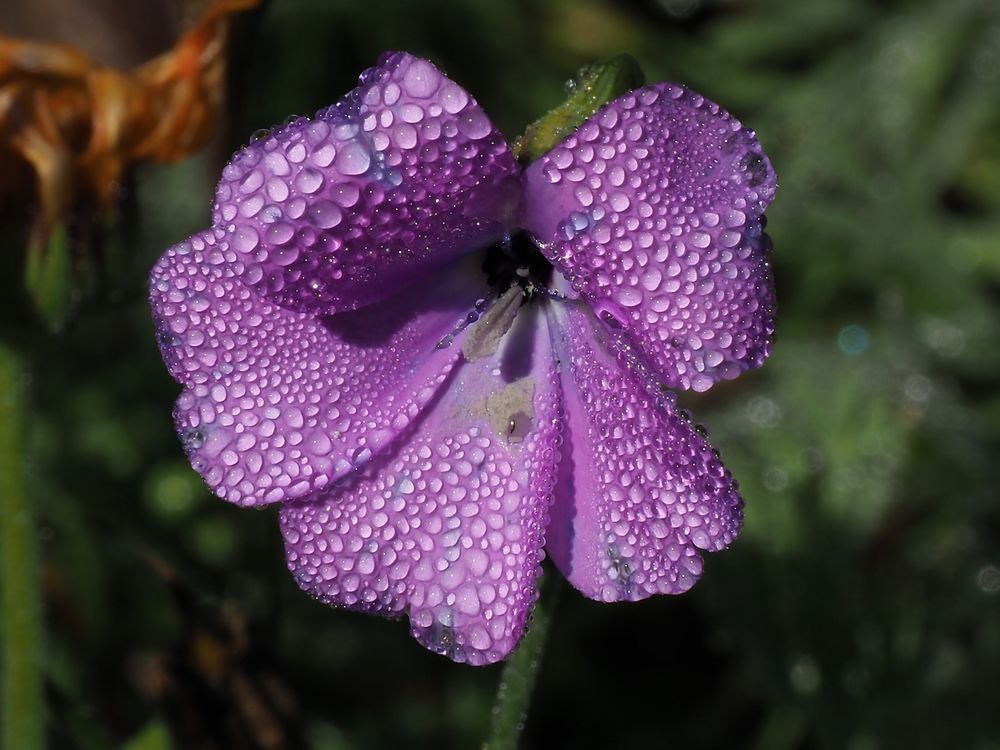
<point x="516" y="260"/>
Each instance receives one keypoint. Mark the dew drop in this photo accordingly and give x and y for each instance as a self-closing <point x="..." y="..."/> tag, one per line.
<point x="619" y="202"/>
<point x="701" y="382"/>
<point x="353" y="159"/>
<point x="421" y="79"/>
<point x="309" y="180"/>
<point x="325" y="214"/>
<point x="453" y="99"/>
<point x="284" y="256"/>
<point x="628" y="296"/>
<point x="345" y="194"/>
<point x="610" y="313"/>
<point x="474" y="125"/>
<point x="701" y="240"/>
<point x="277" y="189"/>
<point x="246" y="239"/>
<point x="280" y="233"/>
<point x="651" y="278"/>
<point x="406" y="135"/>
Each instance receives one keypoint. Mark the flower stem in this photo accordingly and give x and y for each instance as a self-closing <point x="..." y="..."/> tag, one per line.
<point x="21" y="714"/>
<point x="521" y="672"/>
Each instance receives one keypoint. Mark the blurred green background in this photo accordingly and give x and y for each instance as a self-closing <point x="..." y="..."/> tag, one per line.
<point x="860" y="609"/>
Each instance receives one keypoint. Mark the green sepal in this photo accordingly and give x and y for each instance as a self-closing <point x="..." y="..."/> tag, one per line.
<point x="592" y="87"/>
<point x="48" y="276"/>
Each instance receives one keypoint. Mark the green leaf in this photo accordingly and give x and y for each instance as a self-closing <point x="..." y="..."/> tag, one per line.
<point x="592" y="87"/>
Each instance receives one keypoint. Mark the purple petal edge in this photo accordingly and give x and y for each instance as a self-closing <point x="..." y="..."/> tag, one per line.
<point x="403" y="174"/>
<point x="653" y="210"/>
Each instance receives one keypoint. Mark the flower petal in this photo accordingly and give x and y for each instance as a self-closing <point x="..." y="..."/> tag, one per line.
<point x="640" y="491"/>
<point x="449" y="529"/>
<point x="403" y="174"/>
<point x="653" y="210"/>
<point x="278" y="403"/>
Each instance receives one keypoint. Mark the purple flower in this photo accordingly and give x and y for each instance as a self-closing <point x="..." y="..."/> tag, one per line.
<point x="444" y="366"/>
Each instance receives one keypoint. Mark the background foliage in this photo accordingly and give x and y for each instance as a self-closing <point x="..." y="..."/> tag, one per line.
<point x="860" y="607"/>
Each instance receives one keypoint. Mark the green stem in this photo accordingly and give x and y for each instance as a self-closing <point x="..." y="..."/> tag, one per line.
<point x="21" y="713"/>
<point x="521" y="672"/>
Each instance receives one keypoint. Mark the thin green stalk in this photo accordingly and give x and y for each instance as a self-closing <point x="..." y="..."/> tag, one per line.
<point x="520" y="673"/>
<point x="21" y="713"/>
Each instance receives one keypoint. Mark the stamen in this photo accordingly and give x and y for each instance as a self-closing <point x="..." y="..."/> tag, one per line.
<point x="516" y="260"/>
<point x="483" y="338"/>
<point x="511" y="410"/>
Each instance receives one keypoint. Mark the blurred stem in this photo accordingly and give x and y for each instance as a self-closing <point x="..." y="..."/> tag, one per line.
<point x="521" y="671"/>
<point x="21" y="718"/>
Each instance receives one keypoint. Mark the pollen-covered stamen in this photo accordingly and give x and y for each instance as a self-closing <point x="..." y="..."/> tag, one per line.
<point x="484" y="336"/>
<point x="511" y="411"/>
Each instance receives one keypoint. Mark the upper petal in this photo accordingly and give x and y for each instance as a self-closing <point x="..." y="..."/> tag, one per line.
<point x="278" y="403"/>
<point x="640" y="491"/>
<point x="653" y="210"/>
<point x="404" y="173"/>
<point x="449" y="528"/>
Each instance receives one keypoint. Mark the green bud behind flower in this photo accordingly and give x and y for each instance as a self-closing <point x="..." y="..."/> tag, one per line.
<point x="590" y="89"/>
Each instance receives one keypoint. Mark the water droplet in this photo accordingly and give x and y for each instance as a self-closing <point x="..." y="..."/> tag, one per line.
<point x="701" y="240"/>
<point x="651" y="278"/>
<point x="713" y="358"/>
<point x="628" y="296"/>
<point x="474" y="125"/>
<point x="754" y="167"/>
<point x="246" y="239"/>
<point x="701" y="382"/>
<point x="277" y="189"/>
<point x="619" y="202"/>
<point x="610" y="313"/>
<point x="280" y="233"/>
<point x="453" y="99"/>
<point x="325" y="214"/>
<point x="309" y="180"/>
<point x="345" y="194"/>
<point x="406" y="135"/>
<point x="421" y="79"/>
<point x="252" y="182"/>
<point x="284" y="256"/>
<point x="353" y="159"/>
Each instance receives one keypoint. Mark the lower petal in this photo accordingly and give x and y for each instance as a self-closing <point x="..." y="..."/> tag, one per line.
<point x="447" y="528"/>
<point x="640" y="491"/>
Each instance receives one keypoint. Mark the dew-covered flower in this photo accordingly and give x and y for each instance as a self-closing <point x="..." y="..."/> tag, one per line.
<point x="444" y="366"/>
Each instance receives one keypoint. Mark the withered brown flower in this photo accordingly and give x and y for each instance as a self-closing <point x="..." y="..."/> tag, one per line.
<point x="70" y="126"/>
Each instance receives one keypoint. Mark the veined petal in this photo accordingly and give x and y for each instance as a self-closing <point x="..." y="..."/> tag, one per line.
<point x="653" y="209"/>
<point x="278" y="403"/>
<point x="640" y="491"/>
<point x="449" y="528"/>
<point x="403" y="174"/>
